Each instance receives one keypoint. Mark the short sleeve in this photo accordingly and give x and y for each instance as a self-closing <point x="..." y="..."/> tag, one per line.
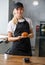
<point x="9" y="27"/>
<point x="30" y="24"/>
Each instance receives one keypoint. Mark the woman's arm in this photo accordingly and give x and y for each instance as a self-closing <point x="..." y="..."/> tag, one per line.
<point x="31" y="35"/>
<point x="12" y="39"/>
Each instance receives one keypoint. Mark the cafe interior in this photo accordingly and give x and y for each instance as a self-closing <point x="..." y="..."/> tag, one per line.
<point x="35" y="10"/>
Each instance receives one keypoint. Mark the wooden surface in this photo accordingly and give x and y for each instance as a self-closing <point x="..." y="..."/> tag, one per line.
<point x="19" y="60"/>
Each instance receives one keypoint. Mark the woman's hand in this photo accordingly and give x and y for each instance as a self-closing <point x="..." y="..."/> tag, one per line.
<point x="30" y="35"/>
<point x="24" y="36"/>
<point x="21" y="37"/>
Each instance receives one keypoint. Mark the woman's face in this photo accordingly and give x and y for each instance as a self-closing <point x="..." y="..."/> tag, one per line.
<point x="18" y="12"/>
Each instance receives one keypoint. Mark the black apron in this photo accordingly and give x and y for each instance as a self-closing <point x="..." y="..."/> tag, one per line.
<point x="23" y="46"/>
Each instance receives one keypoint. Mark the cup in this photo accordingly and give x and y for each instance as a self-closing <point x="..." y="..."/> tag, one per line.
<point x="5" y="56"/>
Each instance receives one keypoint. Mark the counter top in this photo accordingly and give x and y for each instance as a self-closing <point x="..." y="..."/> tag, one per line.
<point x="19" y="60"/>
<point x="3" y="37"/>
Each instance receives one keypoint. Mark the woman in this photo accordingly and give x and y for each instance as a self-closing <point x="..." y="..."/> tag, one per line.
<point x="18" y="25"/>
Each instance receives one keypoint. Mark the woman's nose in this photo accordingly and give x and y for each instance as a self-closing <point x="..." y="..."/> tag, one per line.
<point x="19" y="11"/>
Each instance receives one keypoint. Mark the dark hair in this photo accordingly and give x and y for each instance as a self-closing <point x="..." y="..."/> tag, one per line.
<point x="18" y="5"/>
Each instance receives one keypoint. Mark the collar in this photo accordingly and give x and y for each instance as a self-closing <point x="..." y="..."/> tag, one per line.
<point x="21" y="20"/>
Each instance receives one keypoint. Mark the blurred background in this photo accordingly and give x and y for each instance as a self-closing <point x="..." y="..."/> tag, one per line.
<point x="34" y="9"/>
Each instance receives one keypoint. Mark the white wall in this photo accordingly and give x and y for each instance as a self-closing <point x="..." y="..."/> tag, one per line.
<point x="4" y="6"/>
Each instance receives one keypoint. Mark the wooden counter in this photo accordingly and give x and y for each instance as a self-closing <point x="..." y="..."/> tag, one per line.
<point x="19" y="60"/>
